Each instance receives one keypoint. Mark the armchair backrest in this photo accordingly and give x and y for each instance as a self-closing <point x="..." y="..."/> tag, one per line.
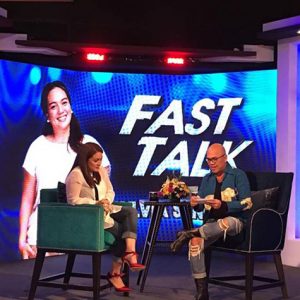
<point x="48" y="196"/>
<point x="264" y="180"/>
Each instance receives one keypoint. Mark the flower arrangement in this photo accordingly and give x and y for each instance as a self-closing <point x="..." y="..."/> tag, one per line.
<point x="174" y="189"/>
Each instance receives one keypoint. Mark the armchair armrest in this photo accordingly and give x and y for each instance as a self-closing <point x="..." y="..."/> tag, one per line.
<point x="265" y="230"/>
<point x="64" y="226"/>
<point x="123" y="203"/>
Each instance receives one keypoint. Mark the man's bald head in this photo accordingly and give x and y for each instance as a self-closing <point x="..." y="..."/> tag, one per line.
<point x="216" y="149"/>
<point x="216" y="158"/>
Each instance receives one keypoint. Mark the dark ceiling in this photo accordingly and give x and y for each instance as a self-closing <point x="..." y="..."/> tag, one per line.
<point x="187" y="24"/>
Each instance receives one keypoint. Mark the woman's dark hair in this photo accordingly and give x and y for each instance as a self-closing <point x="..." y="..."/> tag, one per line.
<point x="76" y="136"/>
<point x="85" y="152"/>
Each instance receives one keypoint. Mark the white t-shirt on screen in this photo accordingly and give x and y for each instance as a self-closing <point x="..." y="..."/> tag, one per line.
<point x="50" y="163"/>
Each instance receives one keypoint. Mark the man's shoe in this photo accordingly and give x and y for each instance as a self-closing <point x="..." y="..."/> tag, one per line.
<point x="184" y="236"/>
<point x="202" y="289"/>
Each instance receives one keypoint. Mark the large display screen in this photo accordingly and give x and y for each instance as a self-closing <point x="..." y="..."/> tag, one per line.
<point x="148" y="125"/>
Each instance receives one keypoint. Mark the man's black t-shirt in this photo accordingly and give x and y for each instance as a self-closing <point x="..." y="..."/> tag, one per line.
<point x="222" y="211"/>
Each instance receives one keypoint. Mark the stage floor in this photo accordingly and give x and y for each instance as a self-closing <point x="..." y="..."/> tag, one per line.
<point x="168" y="278"/>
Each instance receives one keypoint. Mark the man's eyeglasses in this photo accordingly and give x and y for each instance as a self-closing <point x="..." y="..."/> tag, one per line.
<point x="213" y="159"/>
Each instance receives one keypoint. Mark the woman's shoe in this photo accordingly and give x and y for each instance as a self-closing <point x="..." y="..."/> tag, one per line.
<point x="123" y="289"/>
<point x="132" y="266"/>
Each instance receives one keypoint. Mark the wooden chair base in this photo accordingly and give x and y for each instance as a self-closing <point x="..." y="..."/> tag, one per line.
<point x="249" y="276"/>
<point x="52" y="281"/>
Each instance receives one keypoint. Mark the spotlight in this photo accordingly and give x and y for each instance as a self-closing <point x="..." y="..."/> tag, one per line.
<point x="94" y="56"/>
<point x="175" y="60"/>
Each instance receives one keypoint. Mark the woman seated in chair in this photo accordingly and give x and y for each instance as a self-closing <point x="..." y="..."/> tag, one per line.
<point x="89" y="183"/>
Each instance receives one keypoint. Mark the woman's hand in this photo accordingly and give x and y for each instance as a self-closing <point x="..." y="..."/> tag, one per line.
<point x="104" y="201"/>
<point x="27" y="251"/>
<point x="106" y="205"/>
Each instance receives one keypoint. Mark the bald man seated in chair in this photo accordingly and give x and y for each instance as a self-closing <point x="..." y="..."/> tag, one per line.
<point x="224" y="196"/>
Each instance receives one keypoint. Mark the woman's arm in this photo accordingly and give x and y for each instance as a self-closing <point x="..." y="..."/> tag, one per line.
<point x="110" y="194"/>
<point x="74" y="185"/>
<point x="26" y="208"/>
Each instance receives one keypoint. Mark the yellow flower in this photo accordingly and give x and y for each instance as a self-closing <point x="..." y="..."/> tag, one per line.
<point x="174" y="188"/>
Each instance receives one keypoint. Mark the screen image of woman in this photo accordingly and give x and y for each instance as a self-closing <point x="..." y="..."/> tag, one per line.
<point x="88" y="183"/>
<point x="49" y="159"/>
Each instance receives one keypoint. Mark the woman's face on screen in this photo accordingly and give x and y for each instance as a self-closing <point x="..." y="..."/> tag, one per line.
<point x="94" y="162"/>
<point x="59" y="109"/>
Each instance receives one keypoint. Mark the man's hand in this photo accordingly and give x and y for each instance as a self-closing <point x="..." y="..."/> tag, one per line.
<point x="194" y="200"/>
<point x="214" y="203"/>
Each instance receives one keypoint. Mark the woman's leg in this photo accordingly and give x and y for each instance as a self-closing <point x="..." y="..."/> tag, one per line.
<point x="127" y="220"/>
<point x="116" y="265"/>
<point x="117" y="251"/>
<point x="116" y="280"/>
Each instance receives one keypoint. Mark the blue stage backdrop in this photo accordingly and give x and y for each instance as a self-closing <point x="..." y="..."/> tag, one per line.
<point x="148" y="124"/>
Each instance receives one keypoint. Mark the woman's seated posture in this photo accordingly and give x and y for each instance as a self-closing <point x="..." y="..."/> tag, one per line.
<point x="89" y="183"/>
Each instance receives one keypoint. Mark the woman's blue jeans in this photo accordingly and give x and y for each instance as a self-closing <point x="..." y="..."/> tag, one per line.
<point x="125" y="226"/>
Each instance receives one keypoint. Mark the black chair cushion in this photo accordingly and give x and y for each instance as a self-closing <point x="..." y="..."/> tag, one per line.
<point x="265" y="198"/>
<point x="61" y="192"/>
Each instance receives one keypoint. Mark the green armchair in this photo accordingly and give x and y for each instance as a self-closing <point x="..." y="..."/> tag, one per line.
<point x="64" y="228"/>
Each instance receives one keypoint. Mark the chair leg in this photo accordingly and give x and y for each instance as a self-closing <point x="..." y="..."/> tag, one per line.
<point x="249" y="268"/>
<point x="96" y="275"/>
<point x="36" y="272"/>
<point x="69" y="267"/>
<point x="280" y="272"/>
<point x="126" y="278"/>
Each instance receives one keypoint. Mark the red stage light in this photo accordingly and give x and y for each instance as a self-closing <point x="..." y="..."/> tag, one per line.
<point x="175" y="61"/>
<point x="95" y="57"/>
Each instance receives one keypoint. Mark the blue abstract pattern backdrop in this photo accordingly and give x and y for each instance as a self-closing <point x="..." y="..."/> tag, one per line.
<point x="148" y="124"/>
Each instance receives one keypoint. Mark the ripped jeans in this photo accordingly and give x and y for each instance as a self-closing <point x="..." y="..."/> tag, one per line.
<point x="211" y="231"/>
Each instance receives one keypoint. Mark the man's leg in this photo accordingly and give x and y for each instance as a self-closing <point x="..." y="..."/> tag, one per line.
<point x="210" y="232"/>
<point x="184" y="236"/>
